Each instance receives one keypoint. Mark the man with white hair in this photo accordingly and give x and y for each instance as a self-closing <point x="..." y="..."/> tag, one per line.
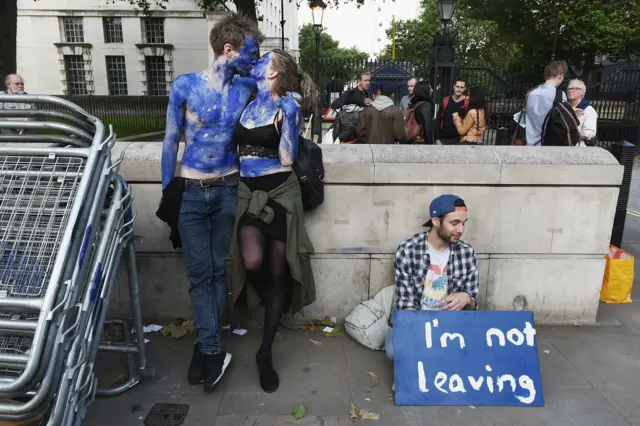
<point x="15" y="86"/>
<point x="587" y="115"/>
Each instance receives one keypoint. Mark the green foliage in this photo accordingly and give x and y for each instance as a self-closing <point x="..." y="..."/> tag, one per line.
<point x="587" y="29"/>
<point x="335" y="62"/>
<point x="518" y="35"/>
<point x="477" y="40"/>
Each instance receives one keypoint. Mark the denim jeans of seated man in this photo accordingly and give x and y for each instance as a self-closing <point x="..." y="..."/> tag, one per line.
<point x="388" y="344"/>
<point x="206" y="222"/>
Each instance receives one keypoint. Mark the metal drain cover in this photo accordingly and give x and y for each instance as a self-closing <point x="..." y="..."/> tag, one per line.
<point x="166" y="415"/>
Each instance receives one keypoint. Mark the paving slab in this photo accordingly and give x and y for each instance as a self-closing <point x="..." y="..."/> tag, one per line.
<point x="607" y="357"/>
<point x="557" y="372"/>
<point x="270" y="420"/>
<point x="171" y="359"/>
<point x="315" y="376"/>
<point x="625" y="314"/>
<point x="562" y="408"/>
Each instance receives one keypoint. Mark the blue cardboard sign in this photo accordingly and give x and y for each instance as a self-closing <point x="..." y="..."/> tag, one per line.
<point x="466" y="358"/>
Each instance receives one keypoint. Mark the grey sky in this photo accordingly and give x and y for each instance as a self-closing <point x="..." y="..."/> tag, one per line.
<point x="363" y="27"/>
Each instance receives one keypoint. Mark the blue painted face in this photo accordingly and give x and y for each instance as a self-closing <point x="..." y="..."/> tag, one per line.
<point x="247" y="57"/>
<point x="260" y="74"/>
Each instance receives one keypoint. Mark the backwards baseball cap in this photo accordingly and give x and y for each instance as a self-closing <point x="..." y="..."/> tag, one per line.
<point x="445" y="204"/>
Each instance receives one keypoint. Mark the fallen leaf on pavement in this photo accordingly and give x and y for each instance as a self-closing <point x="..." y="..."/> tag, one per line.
<point x="315" y="342"/>
<point x="119" y="380"/>
<point x="353" y="411"/>
<point x="368" y="415"/>
<point x="373" y="375"/>
<point x="299" y="412"/>
<point x="178" y="331"/>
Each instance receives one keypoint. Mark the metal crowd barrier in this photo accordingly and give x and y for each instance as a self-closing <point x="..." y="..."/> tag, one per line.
<point x="65" y="219"/>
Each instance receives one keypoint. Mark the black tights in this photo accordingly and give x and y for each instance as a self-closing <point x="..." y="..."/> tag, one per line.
<point x="268" y="278"/>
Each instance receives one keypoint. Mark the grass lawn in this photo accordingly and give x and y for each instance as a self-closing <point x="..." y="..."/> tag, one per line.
<point x="125" y="126"/>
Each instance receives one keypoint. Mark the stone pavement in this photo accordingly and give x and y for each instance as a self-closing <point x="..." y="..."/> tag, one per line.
<point x="591" y="377"/>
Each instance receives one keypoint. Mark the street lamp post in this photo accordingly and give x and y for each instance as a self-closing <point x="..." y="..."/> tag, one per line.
<point x="317" y="11"/>
<point x="444" y="53"/>
<point x="446" y="8"/>
<point x="282" y="22"/>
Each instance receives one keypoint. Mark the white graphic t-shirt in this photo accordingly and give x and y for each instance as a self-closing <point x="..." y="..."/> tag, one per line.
<point x="435" y="285"/>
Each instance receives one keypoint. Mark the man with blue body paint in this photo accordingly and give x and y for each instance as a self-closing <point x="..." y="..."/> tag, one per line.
<point x="206" y="107"/>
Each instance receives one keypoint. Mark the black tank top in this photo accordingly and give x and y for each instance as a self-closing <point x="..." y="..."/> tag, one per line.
<point x="261" y="141"/>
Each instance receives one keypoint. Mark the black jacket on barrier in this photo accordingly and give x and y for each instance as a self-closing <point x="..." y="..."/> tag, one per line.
<point x="169" y="210"/>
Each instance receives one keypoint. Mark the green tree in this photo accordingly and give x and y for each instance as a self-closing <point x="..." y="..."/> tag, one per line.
<point x="336" y="63"/>
<point x="476" y="40"/>
<point x="587" y="29"/>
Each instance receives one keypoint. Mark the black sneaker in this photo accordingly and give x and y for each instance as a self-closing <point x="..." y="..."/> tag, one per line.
<point x="196" y="368"/>
<point x="269" y="380"/>
<point x="214" y="366"/>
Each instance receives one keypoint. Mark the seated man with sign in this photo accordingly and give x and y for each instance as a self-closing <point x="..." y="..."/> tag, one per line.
<point x="436" y="269"/>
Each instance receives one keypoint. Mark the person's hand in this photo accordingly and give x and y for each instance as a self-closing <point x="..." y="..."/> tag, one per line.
<point x="455" y="302"/>
<point x="456" y="115"/>
<point x="368" y="101"/>
<point x="438" y="142"/>
<point x="288" y="105"/>
<point x="579" y="112"/>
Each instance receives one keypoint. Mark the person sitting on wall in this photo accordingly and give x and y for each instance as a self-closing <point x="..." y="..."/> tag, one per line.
<point x="436" y="269"/>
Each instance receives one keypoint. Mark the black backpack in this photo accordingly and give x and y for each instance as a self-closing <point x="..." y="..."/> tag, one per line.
<point x="560" y="127"/>
<point x="347" y="124"/>
<point x="310" y="171"/>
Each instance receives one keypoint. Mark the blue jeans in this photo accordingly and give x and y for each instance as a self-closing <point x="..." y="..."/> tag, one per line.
<point x="388" y="344"/>
<point x="206" y="222"/>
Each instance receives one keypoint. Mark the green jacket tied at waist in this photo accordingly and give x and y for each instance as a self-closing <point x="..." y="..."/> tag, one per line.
<point x="299" y="249"/>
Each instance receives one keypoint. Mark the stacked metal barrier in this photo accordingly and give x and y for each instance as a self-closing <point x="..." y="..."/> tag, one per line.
<point x="65" y="221"/>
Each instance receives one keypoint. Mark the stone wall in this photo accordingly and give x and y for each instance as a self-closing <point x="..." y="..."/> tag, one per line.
<point x="540" y="221"/>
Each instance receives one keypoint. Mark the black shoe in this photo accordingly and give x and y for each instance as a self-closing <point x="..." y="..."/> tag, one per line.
<point x="196" y="368"/>
<point x="215" y="366"/>
<point x="269" y="380"/>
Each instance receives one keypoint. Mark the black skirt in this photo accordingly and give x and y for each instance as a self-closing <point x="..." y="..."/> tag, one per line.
<point x="277" y="229"/>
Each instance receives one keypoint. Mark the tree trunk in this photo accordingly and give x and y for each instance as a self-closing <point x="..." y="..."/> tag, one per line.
<point x="8" y="29"/>
<point x="587" y="67"/>
<point x="247" y="7"/>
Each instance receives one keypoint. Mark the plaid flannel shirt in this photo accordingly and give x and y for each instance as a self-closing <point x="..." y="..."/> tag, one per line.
<point x="412" y="264"/>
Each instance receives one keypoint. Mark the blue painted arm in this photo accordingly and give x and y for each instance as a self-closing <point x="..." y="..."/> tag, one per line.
<point x="175" y="126"/>
<point x="248" y="82"/>
<point x="292" y="121"/>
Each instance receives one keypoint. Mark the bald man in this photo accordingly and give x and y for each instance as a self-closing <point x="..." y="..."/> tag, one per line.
<point x="15" y="86"/>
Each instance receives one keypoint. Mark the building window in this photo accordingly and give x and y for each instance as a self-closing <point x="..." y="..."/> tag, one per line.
<point x="112" y="30"/>
<point x="154" y="30"/>
<point x="116" y="75"/>
<point x="73" y="30"/>
<point x="76" y="79"/>
<point x="156" y="76"/>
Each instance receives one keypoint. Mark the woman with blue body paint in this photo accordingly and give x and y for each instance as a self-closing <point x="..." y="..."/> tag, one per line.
<point x="271" y="248"/>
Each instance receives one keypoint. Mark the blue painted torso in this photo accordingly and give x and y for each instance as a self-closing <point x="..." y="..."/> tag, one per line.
<point x="208" y="118"/>
<point x="278" y="134"/>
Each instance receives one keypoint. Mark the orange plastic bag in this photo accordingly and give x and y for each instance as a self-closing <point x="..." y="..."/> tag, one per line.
<point x="618" y="277"/>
